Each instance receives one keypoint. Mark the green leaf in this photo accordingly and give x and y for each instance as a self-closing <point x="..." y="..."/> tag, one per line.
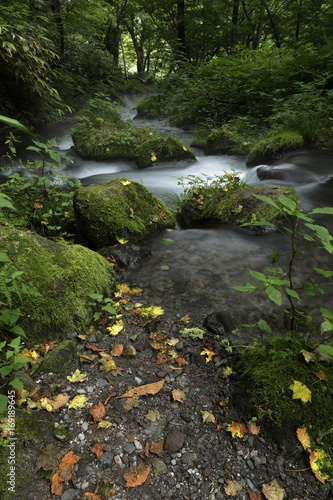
<point x="292" y="293"/>
<point x="257" y="275"/>
<point x="4" y="257"/>
<point x="16" y="383"/>
<point x="326" y="313"/>
<point x="14" y="123"/>
<point x="287" y="202"/>
<point x="323" y="210"/>
<point x="5" y="202"/>
<point x="327" y="348"/>
<point x="326" y="274"/>
<point x="249" y="288"/>
<point x="326" y="326"/>
<point x="267" y="200"/>
<point x="274" y="295"/>
<point x="324" y="236"/>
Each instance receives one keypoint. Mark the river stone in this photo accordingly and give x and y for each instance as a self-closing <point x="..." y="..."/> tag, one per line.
<point x="263" y="172"/>
<point x="174" y="441"/>
<point x="218" y="323"/>
<point x="120" y="211"/>
<point x="126" y="255"/>
<point x="61" y="277"/>
<point x="60" y="358"/>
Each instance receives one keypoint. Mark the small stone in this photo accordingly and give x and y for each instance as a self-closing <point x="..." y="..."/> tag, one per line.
<point x="159" y="465"/>
<point x="206" y="472"/>
<point x="174" y="441"/>
<point x="101" y="382"/>
<point x="106" y="460"/>
<point x="161" y="374"/>
<point x="85" y="485"/>
<point x="69" y="495"/>
<point x="189" y="458"/>
<point x="138" y="445"/>
<point x="129" y="448"/>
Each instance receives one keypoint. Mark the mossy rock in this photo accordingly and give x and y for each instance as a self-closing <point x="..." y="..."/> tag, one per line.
<point x="60" y="359"/>
<point x="225" y="141"/>
<point x="63" y="275"/>
<point x="273" y="146"/>
<point x="233" y="207"/>
<point x="163" y="149"/>
<point x="152" y="107"/>
<point x="119" y="211"/>
<point x="200" y="139"/>
<point x="263" y="391"/>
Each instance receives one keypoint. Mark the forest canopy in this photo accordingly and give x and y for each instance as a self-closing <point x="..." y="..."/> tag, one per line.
<point x="51" y="51"/>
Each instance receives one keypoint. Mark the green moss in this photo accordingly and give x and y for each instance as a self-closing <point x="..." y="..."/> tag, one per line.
<point x="225" y="141"/>
<point x="64" y="275"/>
<point x="119" y="209"/>
<point x="273" y="145"/>
<point x="163" y="149"/>
<point x="152" y="107"/>
<point x="233" y="207"/>
<point x="264" y="390"/>
<point x="59" y="359"/>
<point x="200" y="138"/>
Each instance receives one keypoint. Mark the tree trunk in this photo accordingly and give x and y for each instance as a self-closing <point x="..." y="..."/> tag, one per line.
<point x="234" y="23"/>
<point x="56" y="9"/>
<point x="298" y="21"/>
<point x="256" y="41"/>
<point x="273" y="25"/>
<point x="181" y="26"/>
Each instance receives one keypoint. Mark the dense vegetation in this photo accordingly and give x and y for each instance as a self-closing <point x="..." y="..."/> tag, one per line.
<point x="245" y="74"/>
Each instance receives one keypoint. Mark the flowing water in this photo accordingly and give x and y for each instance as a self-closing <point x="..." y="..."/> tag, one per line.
<point x="194" y="270"/>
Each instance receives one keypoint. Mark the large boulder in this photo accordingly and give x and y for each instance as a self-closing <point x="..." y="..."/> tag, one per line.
<point x="63" y="275"/>
<point x="273" y="146"/>
<point x="161" y="150"/>
<point x="120" y="211"/>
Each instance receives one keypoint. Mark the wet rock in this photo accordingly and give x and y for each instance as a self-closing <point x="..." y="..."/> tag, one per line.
<point x="59" y="359"/>
<point x="70" y="495"/>
<point x="218" y="323"/>
<point x="174" y="441"/>
<point x="126" y="255"/>
<point x="264" y="172"/>
<point x="106" y="460"/>
<point x="189" y="458"/>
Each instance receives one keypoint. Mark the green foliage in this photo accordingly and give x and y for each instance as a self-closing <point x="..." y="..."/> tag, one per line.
<point x="41" y="193"/>
<point x="277" y="282"/>
<point x="102" y="305"/>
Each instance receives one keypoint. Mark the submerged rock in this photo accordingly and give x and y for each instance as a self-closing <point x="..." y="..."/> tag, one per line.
<point x="120" y="211"/>
<point x="273" y="146"/>
<point x="126" y="255"/>
<point x="61" y="277"/>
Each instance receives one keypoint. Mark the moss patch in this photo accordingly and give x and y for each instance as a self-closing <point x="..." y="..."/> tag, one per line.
<point x="274" y="145"/>
<point x="235" y="207"/>
<point x="264" y="391"/>
<point x="119" y="211"/>
<point x="64" y="275"/>
<point x="163" y="149"/>
<point x="59" y="359"/>
<point x="152" y="107"/>
<point x="225" y="141"/>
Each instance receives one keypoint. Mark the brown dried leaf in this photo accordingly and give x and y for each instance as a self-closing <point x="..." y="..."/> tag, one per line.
<point x="131" y="403"/>
<point x="143" y="390"/>
<point x="157" y="448"/>
<point x="178" y="395"/>
<point x="117" y="350"/>
<point x="64" y="473"/>
<point x="273" y="491"/>
<point x="233" y="488"/>
<point x="98" y="412"/>
<point x="253" y="428"/>
<point x="97" y="449"/>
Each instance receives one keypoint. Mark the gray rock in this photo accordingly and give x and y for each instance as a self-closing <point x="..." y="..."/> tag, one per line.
<point x="70" y="495"/>
<point x="189" y="458"/>
<point x="106" y="460"/>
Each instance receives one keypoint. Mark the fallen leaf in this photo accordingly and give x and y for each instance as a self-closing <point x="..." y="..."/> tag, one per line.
<point x="92" y="496"/>
<point x="321" y="375"/>
<point x="303" y="437"/>
<point x="273" y="491"/>
<point x="207" y="417"/>
<point x="209" y="354"/>
<point x="117" y="350"/>
<point x="121" y="240"/>
<point x="116" y="328"/>
<point x="193" y="333"/>
<point x="78" y="402"/>
<point x="255" y="496"/>
<point x="117" y="371"/>
<point x="32" y="355"/>
<point x="97" y="449"/>
<point x="300" y="391"/>
<point x="64" y="474"/>
<point x="236" y="429"/>
<point x="98" y="412"/>
<point x="77" y="376"/>
<point x="233" y="488"/>
<point x="143" y="390"/>
<point x="131" y="403"/>
<point x="219" y="427"/>
<point x="104" y="424"/>
<point x="224" y="402"/>
<point x="180" y="361"/>
<point x="59" y="401"/>
<point x="47" y="346"/>
<point x="319" y="462"/>
<point x="153" y="415"/>
<point x="107" y="362"/>
<point x="308" y="356"/>
<point x="253" y="428"/>
<point x="157" y="448"/>
<point x="50" y="458"/>
<point x="178" y="395"/>
<point x="126" y="182"/>
<point x="136" y="475"/>
<point x="93" y="347"/>
<point x="185" y="319"/>
<point x="226" y="372"/>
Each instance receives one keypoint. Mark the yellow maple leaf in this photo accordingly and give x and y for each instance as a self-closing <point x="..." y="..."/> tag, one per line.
<point x="237" y="430"/>
<point x="300" y="391"/>
<point x="116" y="328"/>
<point x="121" y="240"/>
<point x="32" y="355"/>
<point x="78" y="402"/>
<point x="303" y="437"/>
<point x="209" y="354"/>
<point x="273" y="491"/>
<point x="207" y="417"/>
<point x="107" y="362"/>
<point x="126" y="182"/>
<point x="226" y="372"/>
<point x="77" y="376"/>
<point x="104" y="424"/>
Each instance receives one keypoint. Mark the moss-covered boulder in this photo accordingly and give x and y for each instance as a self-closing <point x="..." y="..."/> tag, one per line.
<point x="63" y="275"/>
<point x="162" y="149"/>
<point x="119" y="211"/>
<point x="60" y="359"/>
<point x="225" y="141"/>
<point x="152" y="107"/>
<point x="273" y="146"/>
<point x="233" y="207"/>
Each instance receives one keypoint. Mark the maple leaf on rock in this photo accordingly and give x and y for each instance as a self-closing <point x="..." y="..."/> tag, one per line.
<point x="300" y="391"/>
<point x="143" y="390"/>
<point x="303" y="437"/>
<point x="97" y="449"/>
<point x="273" y="491"/>
<point x="207" y="417"/>
<point x="233" y="488"/>
<point x="98" y="412"/>
<point x="78" y="402"/>
<point x="64" y="473"/>
<point x="77" y="376"/>
<point x="178" y="395"/>
<point x="236" y="429"/>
